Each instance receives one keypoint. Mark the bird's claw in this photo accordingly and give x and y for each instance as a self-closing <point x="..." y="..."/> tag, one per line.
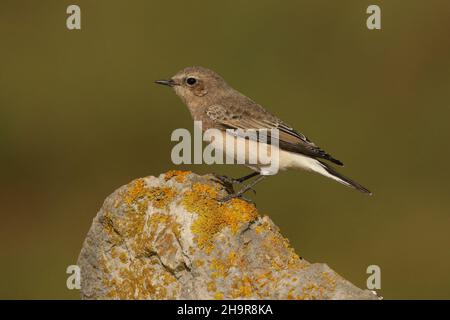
<point x="235" y="196"/>
<point x="226" y="179"/>
<point x="225" y="182"/>
<point x="229" y="183"/>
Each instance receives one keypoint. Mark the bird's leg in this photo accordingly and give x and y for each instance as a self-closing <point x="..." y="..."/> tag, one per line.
<point x="244" y="178"/>
<point x="230" y="180"/>
<point x="244" y="189"/>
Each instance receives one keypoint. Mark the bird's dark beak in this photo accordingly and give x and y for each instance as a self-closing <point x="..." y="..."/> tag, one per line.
<point x="169" y="83"/>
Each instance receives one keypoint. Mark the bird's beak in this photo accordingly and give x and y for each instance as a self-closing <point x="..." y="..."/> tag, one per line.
<point x="169" y="83"/>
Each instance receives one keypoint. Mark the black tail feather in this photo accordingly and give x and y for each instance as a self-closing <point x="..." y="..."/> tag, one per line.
<point x="334" y="160"/>
<point x="344" y="180"/>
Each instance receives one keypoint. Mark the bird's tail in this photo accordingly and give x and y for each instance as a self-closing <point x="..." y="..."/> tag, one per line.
<point x="330" y="172"/>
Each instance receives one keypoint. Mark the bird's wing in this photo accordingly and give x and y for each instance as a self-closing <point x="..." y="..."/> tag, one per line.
<point x="288" y="138"/>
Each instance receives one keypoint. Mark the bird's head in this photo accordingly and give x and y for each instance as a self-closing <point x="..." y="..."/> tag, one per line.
<point x="195" y="85"/>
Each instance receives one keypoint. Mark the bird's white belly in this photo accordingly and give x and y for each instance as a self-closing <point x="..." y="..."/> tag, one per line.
<point x="255" y="155"/>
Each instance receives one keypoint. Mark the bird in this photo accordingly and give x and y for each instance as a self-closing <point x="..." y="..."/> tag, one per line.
<point x="217" y="105"/>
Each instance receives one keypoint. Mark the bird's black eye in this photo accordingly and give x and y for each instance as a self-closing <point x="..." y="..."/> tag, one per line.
<point x="191" y="81"/>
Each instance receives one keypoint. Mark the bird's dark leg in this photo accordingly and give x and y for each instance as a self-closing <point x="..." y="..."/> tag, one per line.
<point x="244" y="189"/>
<point x="244" y="178"/>
<point x="238" y="180"/>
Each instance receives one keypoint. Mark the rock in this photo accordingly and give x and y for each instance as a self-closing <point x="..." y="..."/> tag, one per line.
<point x="168" y="238"/>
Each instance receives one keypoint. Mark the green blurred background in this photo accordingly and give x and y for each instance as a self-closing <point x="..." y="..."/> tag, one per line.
<point x="80" y="116"/>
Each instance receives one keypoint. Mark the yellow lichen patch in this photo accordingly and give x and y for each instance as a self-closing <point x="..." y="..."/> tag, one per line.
<point x="263" y="226"/>
<point x="135" y="282"/>
<point x="134" y="225"/>
<point x="138" y="193"/>
<point x="168" y="278"/>
<point x="119" y="253"/>
<point x="263" y="284"/>
<point x="137" y="190"/>
<point x="294" y="261"/>
<point x="218" y="296"/>
<point x="114" y="252"/>
<point x="264" y="279"/>
<point x="211" y="286"/>
<point x="259" y="229"/>
<point x="311" y="291"/>
<point x="199" y="263"/>
<point x="123" y="257"/>
<point x="290" y="295"/>
<point x="232" y="258"/>
<point x="330" y="279"/>
<point x="160" y="236"/>
<point x="180" y="176"/>
<point x="219" y="268"/>
<point x="140" y="228"/>
<point x="242" y="287"/>
<point x="214" y="216"/>
<point x="161" y="197"/>
<point x="275" y="244"/>
<point x="164" y="221"/>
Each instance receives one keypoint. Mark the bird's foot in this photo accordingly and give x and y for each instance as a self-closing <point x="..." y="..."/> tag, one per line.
<point x="227" y="180"/>
<point x="229" y="183"/>
<point x="236" y="195"/>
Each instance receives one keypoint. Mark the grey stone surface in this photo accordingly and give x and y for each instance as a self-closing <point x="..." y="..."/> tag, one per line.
<point x="167" y="237"/>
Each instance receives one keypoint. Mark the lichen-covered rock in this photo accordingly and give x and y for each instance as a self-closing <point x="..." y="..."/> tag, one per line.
<point x="169" y="238"/>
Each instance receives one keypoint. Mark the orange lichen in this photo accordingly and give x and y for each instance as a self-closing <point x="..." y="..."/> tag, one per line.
<point x="276" y="244"/>
<point x="330" y="280"/>
<point x="123" y="257"/>
<point x="290" y="295"/>
<point x="263" y="283"/>
<point x="213" y="216"/>
<point x="114" y="252"/>
<point x="141" y="229"/>
<point x="232" y="258"/>
<point x="242" y="288"/>
<point x="140" y="194"/>
<point x="180" y="176"/>
<point x="134" y="224"/>
<point x="136" y="190"/>
<point x="168" y="278"/>
<point x="137" y="282"/>
<point x="199" y="263"/>
<point x="211" y="286"/>
<point x="259" y="229"/>
<point x="219" y="268"/>
<point x="264" y="279"/>
<point x="311" y="291"/>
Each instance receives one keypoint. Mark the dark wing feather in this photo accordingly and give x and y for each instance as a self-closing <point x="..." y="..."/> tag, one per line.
<point x="289" y="139"/>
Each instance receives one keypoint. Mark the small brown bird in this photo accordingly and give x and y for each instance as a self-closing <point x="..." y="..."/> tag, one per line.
<point x="213" y="102"/>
